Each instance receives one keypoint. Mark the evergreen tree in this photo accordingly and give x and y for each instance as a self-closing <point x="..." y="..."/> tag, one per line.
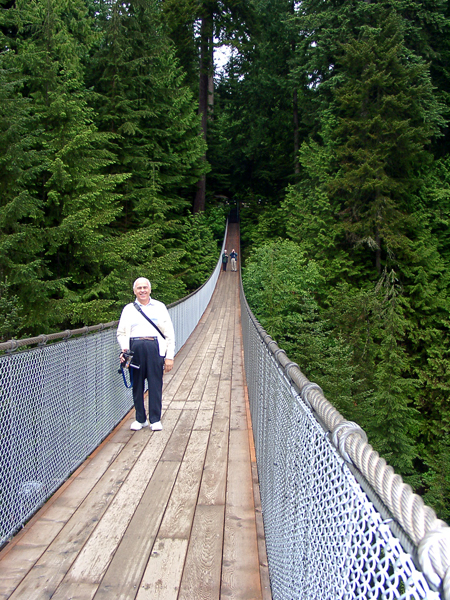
<point x="20" y="240"/>
<point x="255" y="112"/>
<point x="210" y="23"/>
<point x="359" y="212"/>
<point x="67" y="201"/>
<point x="387" y="115"/>
<point x="141" y="97"/>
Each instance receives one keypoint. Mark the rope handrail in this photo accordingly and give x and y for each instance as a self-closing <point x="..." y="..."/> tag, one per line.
<point x="42" y="339"/>
<point x="429" y="535"/>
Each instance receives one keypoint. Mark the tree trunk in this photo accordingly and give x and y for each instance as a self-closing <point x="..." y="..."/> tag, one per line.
<point x="296" y="142"/>
<point x="378" y="253"/>
<point x="295" y="110"/>
<point x="204" y="97"/>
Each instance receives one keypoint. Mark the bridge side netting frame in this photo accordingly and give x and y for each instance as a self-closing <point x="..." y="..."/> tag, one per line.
<point x="59" y="401"/>
<point x="326" y="537"/>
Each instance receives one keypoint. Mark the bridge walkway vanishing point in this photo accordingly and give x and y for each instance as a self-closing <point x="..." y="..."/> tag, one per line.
<point x="160" y="515"/>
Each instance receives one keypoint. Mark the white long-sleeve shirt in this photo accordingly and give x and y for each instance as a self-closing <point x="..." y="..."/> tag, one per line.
<point x="133" y="324"/>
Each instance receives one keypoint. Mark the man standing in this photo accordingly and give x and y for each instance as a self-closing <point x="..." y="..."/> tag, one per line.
<point x="224" y="260"/>
<point x="233" y="256"/>
<point x="146" y="329"/>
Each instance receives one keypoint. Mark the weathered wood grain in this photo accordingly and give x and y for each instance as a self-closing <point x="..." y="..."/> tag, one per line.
<point x="54" y="561"/>
<point x="214" y="480"/>
<point x="75" y="591"/>
<point x="241" y="573"/>
<point x="124" y="574"/>
<point x="161" y="580"/>
<point x="179" y="515"/>
<point x="202" y="573"/>
<point x="95" y="556"/>
<point x="179" y="438"/>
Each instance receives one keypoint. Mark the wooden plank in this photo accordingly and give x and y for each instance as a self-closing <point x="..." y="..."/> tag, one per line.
<point x="201" y="576"/>
<point x="201" y="487"/>
<point x="125" y="571"/>
<point x="241" y="572"/>
<point x="180" y="511"/>
<point x="192" y="405"/>
<point x="204" y="419"/>
<point x="199" y="386"/>
<point x="222" y="407"/>
<point x="262" y="554"/>
<point x="209" y="394"/>
<point x="214" y="480"/>
<point x="176" y="446"/>
<point x="41" y="579"/>
<point x="177" y="405"/>
<point x="162" y="577"/>
<point x="75" y="591"/>
<point x="238" y="412"/>
<point x="96" y="555"/>
<point x="180" y="380"/>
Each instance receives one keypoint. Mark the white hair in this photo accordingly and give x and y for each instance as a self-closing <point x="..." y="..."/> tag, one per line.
<point x="139" y="279"/>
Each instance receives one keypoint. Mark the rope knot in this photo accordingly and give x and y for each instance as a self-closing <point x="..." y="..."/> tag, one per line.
<point x="341" y="433"/>
<point x="288" y="367"/>
<point x="306" y="389"/>
<point x="44" y="340"/>
<point x="434" y="557"/>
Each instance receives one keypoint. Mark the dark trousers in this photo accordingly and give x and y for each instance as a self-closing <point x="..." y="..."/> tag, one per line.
<point x="224" y="265"/>
<point x="146" y="355"/>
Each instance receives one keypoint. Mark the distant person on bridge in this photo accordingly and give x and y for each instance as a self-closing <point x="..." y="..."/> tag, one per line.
<point x="224" y="260"/>
<point x="145" y="328"/>
<point x="233" y="256"/>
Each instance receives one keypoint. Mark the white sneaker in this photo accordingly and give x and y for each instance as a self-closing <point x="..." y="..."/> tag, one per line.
<point x="135" y="426"/>
<point x="156" y="426"/>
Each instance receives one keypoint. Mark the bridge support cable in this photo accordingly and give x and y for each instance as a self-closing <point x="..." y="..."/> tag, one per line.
<point x="339" y="523"/>
<point x="59" y="401"/>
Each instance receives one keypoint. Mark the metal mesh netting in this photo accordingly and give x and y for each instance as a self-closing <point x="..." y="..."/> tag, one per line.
<point x="325" y="539"/>
<point x="58" y="402"/>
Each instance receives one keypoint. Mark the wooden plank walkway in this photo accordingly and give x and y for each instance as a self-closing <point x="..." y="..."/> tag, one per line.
<point x="160" y="515"/>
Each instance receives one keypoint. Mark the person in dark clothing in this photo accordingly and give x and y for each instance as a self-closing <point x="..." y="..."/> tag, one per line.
<point x="224" y="260"/>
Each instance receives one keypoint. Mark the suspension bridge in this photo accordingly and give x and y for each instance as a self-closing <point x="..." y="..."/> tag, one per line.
<point x="255" y="488"/>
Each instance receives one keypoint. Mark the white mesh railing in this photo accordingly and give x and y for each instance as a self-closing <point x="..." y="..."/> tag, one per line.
<point x="186" y="313"/>
<point x="339" y="524"/>
<point x="59" y="401"/>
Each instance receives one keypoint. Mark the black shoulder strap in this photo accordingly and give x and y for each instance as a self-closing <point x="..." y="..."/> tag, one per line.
<point x="138" y="308"/>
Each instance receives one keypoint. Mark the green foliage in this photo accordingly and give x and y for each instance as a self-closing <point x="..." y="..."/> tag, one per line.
<point x="10" y="309"/>
<point x="201" y="250"/>
<point x="55" y="213"/>
<point x="435" y="199"/>
<point x="355" y="349"/>
<point x="437" y="477"/>
<point x="382" y="133"/>
<point x="384" y="367"/>
<point x="252" y="136"/>
<point x="375" y="229"/>
<point x="280" y="284"/>
<point x="140" y="95"/>
<point x="95" y="182"/>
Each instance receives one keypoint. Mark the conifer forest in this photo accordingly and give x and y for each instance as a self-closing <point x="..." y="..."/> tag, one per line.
<point x="122" y="150"/>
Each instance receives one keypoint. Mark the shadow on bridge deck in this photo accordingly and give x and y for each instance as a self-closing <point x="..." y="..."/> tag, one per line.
<point x="160" y="515"/>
